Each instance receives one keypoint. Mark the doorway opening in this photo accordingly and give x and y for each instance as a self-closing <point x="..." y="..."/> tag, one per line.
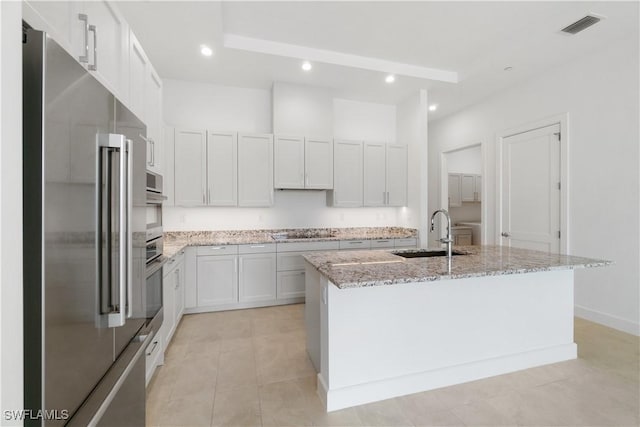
<point x="461" y="192"/>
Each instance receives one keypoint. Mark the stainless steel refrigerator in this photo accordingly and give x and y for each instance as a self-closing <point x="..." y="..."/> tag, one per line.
<point x="85" y="316"/>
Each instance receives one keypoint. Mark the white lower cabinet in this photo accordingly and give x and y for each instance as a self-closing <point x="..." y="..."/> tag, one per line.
<point x="290" y="284"/>
<point x="217" y="280"/>
<point x="257" y="279"/>
<point x="154" y="356"/>
<point x="172" y="295"/>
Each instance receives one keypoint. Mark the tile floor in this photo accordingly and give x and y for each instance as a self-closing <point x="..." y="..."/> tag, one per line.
<point x="250" y="368"/>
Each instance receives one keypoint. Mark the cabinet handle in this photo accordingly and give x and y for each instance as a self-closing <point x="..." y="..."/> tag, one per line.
<point x="85" y="58"/>
<point x="177" y="273"/>
<point x="94" y="66"/>
<point x="356" y="243"/>
<point x="155" y="343"/>
<point x="257" y="246"/>
<point x="181" y="252"/>
<point x="172" y="260"/>
<point x="216" y="248"/>
<point x="302" y="273"/>
<point x="153" y="152"/>
<point x="382" y="241"/>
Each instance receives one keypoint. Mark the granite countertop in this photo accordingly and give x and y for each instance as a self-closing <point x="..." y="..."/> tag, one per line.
<point x="174" y="241"/>
<point x="354" y="269"/>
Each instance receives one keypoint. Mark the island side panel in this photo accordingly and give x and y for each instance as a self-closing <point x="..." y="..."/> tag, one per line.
<point x="386" y="341"/>
<point x="312" y="313"/>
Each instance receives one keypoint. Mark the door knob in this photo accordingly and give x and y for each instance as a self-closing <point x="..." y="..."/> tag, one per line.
<point x="505" y="234"/>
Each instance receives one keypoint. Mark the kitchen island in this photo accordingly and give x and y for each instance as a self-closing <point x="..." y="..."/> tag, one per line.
<point x="380" y="325"/>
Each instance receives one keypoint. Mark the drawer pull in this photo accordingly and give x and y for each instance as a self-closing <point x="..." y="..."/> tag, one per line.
<point x="382" y="241"/>
<point x="155" y="343"/>
<point x="217" y="248"/>
<point x="356" y="243"/>
<point x="257" y="246"/>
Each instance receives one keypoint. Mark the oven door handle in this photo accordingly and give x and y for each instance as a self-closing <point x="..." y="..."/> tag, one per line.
<point x="155" y="198"/>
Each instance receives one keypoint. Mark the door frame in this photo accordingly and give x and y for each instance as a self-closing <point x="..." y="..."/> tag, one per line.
<point x="444" y="183"/>
<point x="563" y="120"/>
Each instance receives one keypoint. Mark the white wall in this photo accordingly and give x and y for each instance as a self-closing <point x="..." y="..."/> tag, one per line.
<point x="205" y="106"/>
<point x="11" y="387"/>
<point x="217" y="107"/>
<point x="468" y="160"/>
<point x="364" y="121"/>
<point x="600" y="94"/>
<point x="302" y="110"/>
<point x="411" y="128"/>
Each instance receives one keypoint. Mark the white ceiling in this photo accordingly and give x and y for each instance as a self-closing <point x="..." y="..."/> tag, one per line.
<point x="476" y="40"/>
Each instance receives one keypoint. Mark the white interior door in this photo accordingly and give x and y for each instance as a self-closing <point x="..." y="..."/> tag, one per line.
<point x="531" y="190"/>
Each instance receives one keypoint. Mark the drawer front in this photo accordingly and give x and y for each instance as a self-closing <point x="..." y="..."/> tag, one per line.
<point x="308" y="246"/>
<point x="152" y="356"/>
<point x="291" y="284"/>
<point x="217" y="250"/>
<point x="355" y="244"/>
<point x="175" y="261"/>
<point x="382" y="243"/>
<point x="405" y="243"/>
<point x="290" y="261"/>
<point x="257" y="248"/>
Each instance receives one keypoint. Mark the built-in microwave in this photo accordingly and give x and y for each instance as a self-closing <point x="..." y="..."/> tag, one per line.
<point x="154" y="206"/>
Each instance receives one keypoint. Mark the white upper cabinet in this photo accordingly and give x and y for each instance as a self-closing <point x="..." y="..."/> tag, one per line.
<point x="347" y="174"/>
<point x="397" y="178"/>
<point x="108" y="45"/>
<point x="255" y="169"/>
<point x="455" y="198"/>
<point x="318" y="163"/>
<point x="222" y="169"/>
<point x="190" y="159"/>
<point x="93" y="32"/>
<point x="153" y="109"/>
<point x="301" y="163"/>
<point x="289" y="167"/>
<point x="137" y="78"/>
<point x="385" y="174"/>
<point x="470" y="186"/>
<point x="375" y="191"/>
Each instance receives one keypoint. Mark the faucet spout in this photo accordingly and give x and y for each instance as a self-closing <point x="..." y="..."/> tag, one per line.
<point x="448" y="239"/>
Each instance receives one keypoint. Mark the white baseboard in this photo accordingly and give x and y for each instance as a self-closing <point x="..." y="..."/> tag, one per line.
<point x="359" y="394"/>
<point x="609" y="320"/>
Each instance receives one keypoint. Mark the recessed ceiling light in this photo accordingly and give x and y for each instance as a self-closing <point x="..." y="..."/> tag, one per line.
<point x="433" y="107"/>
<point x="306" y="65"/>
<point x="206" y="50"/>
<point x="508" y="68"/>
<point x="390" y="78"/>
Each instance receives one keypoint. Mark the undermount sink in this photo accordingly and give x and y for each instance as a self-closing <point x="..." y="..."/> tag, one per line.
<point x="302" y="235"/>
<point x="426" y="254"/>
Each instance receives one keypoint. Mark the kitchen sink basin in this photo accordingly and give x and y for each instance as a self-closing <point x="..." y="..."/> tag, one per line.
<point x="302" y="235"/>
<point x="426" y="254"/>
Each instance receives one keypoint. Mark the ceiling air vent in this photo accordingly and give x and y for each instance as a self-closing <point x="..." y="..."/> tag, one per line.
<point x="581" y="24"/>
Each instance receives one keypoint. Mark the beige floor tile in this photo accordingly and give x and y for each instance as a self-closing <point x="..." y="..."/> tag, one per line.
<point x="426" y="408"/>
<point x="250" y="367"/>
<point x="236" y="369"/>
<point x="384" y="413"/>
<point x="186" y="412"/>
<point x="237" y="407"/>
<point x="481" y="413"/>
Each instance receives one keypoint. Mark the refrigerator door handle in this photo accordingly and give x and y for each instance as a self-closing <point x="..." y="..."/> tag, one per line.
<point x="129" y="230"/>
<point x="116" y="309"/>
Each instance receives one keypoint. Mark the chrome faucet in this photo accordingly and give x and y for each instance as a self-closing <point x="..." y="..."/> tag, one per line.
<point x="449" y="239"/>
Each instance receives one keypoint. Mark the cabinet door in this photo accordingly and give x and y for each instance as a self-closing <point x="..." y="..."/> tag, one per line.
<point x="168" y="174"/>
<point x="318" y="163"/>
<point x="347" y="174"/>
<point x="375" y="192"/>
<point x="179" y="292"/>
<point x="255" y="170"/>
<point x="153" y="109"/>
<point x="112" y="49"/>
<point x="137" y="77"/>
<point x="217" y="280"/>
<point x="291" y="284"/>
<point x="468" y="188"/>
<point x="454" y="190"/>
<point x="168" y="305"/>
<point x="478" y="188"/>
<point x="222" y="169"/>
<point x="289" y="162"/>
<point x="60" y="20"/>
<point x="257" y="277"/>
<point x="397" y="175"/>
<point x="190" y="158"/>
